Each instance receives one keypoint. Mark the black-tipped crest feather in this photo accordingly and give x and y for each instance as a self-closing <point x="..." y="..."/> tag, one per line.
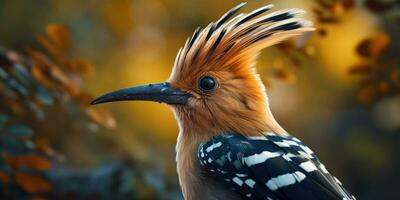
<point x="253" y="14"/>
<point x="242" y="35"/>
<point x="228" y="15"/>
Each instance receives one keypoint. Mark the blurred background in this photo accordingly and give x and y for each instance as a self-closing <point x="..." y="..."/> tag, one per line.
<point x="337" y="89"/>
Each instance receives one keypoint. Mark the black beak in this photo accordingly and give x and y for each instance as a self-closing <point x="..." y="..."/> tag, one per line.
<point x="161" y="92"/>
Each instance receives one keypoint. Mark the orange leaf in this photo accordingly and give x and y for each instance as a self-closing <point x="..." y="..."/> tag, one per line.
<point x="16" y="107"/>
<point x="12" y="162"/>
<point x="31" y="183"/>
<point x="374" y="46"/>
<point x="59" y="34"/>
<point x="38" y="198"/>
<point x="285" y="75"/>
<point x="285" y="46"/>
<point x="31" y="161"/>
<point x="42" y="145"/>
<point x="35" y="162"/>
<point x="102" y="117"/>
<point x="337" y="9"/>
<point x="49" y="46"/>
<point x="82" y="66"/>
<point x="360" y="69"/>
<point x="368" y="93"/>
<point x="71" y="86"/>
<point x="395" y="76"/>
<point x="3" y="177"/>
<point x="39" y="59"/>
<point x="40" y="77"/>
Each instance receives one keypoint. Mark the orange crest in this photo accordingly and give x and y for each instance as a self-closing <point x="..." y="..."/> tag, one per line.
<point x="226" y="50"/>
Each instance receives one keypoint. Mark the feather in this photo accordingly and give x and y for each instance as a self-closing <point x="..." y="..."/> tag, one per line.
<point x="253" y="14"/>
<point x="229" y="14"/>
<point x="242" y="37"/>
<point x="269" y="167"/>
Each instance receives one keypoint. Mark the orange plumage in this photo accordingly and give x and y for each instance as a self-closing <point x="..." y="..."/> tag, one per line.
<point x="239" y="104"/>
<point x="228" y="51"/>
<point x="225" y="52"/>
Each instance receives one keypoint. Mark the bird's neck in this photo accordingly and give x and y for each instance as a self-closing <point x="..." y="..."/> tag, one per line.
<point x="188" y="167"/>
<point x="247" y="123"/>
<point x="190" y="137"/>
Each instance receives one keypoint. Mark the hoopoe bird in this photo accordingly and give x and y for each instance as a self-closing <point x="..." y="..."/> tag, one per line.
<point x="229" y="144"/>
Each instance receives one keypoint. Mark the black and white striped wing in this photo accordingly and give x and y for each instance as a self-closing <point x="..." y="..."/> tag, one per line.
<point x="269" y="167"/>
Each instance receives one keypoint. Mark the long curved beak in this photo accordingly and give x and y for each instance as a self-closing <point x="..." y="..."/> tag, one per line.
<point x="161" y="92"/>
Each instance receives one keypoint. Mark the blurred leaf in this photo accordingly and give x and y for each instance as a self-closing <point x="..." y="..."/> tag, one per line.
<point x="102" y="117"/>
<point x="361" y="68"/>
<point x="53" y="73"/>
<point x="35" y="162"/>
<point x="368" y="93"/>
<point x="4" y="177"/>
<point x="31" y="183"/>
<point x="13" y="84"/>
<point x="39" y="113"/>
<point x="44" y="97"/>
<point x="285" y="46"/>
<point x="374" y="46"/>
<point x="395" y="76"/>
<point x="13" y="163"/>
<point x="82" y="66"/>
<point x="40" y="60"/>
<point x="323" y="3"/>
<point x="19" y="130"/>
<point x="296" y="61"/>
<point x="49" y="46"/>
<point x="348" y="4"/>
<point x="42" y="145"/>
<point x="40" y="77"/>
<point x="285" y="75"/>
<point x="16" y="107"/>
<point x="338" y="9"/>
<point x="59" y="34"/>
<point x="32" y="161"/>
<point x="23" y="75"/>
<point x="322" y="32"/>
<point x="71" y="87"/>
<point x="3" y="74"/>
<point x="379" y="5"/>
<point x="38" y="198"/>
<point x="331" y="11"/>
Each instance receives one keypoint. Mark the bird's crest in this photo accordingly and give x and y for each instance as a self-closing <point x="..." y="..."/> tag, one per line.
<point x="228" y="41"/>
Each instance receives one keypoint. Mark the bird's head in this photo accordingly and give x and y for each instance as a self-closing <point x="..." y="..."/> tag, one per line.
<point x="214" y="86"/>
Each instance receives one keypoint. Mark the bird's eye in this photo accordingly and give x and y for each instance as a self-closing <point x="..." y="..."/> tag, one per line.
<point x="207" y="83"/>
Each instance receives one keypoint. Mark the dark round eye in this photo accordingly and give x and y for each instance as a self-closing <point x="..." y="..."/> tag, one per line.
<point x="207" y="83"/>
